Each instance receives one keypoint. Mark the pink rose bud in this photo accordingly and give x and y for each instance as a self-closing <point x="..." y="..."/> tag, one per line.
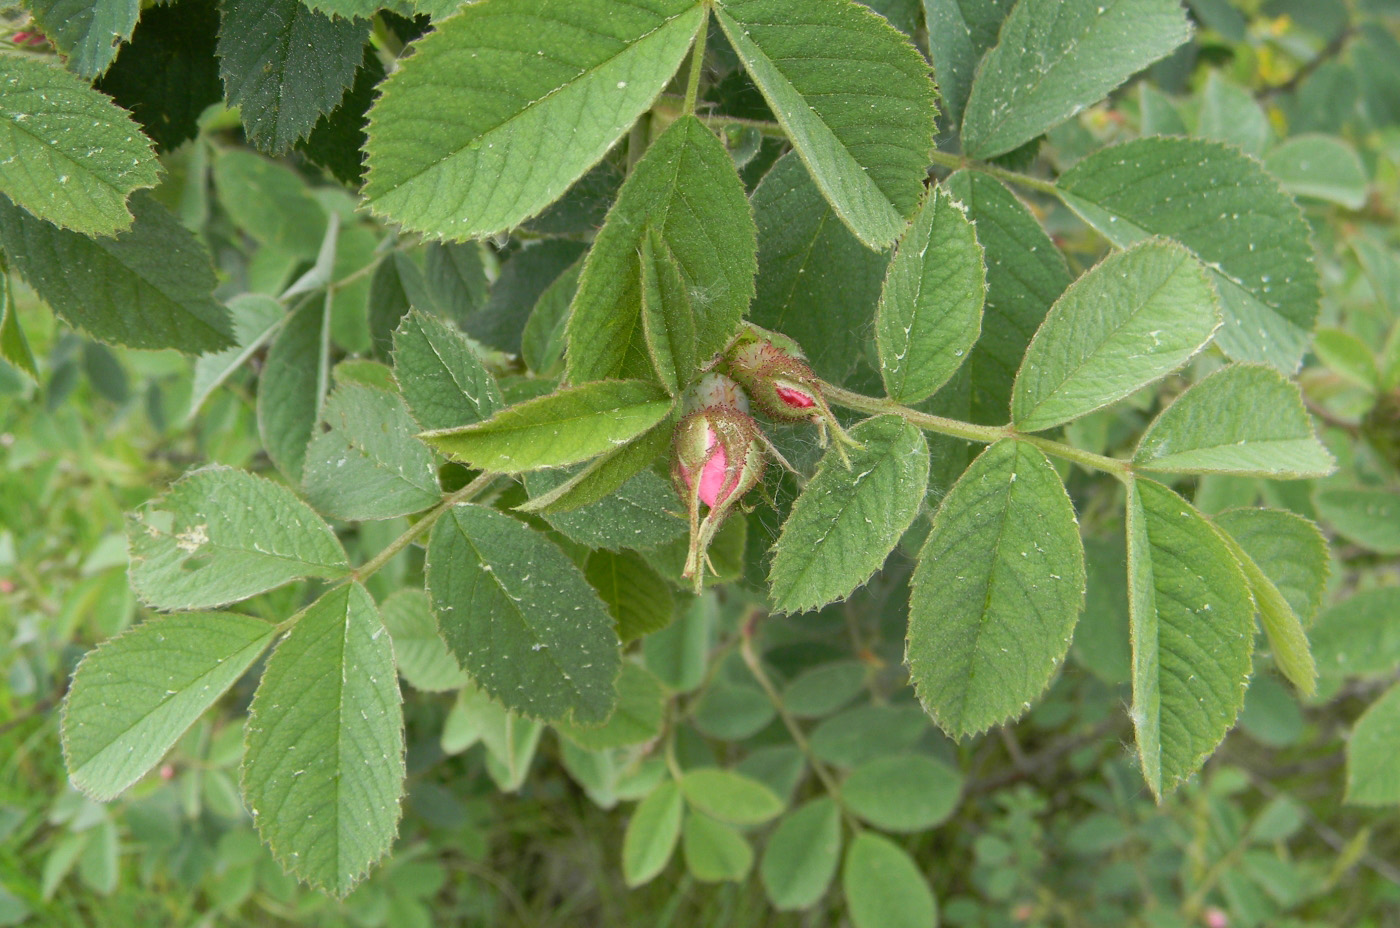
<point x="773" y="369"/>
<point x="1215" y="918"/>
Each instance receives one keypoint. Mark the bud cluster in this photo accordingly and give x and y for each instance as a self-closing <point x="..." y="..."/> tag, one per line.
<point x="719" y="451"/>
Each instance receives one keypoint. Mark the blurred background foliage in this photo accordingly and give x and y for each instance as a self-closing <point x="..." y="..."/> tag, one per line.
<point x="1046" y="822"/>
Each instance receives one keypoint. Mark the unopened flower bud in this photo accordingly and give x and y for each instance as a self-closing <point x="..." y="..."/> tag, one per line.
<point x="717" y="457"/>
<point x="773" y="369"/>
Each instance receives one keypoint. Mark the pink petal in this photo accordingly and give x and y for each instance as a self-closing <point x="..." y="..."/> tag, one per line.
<point x="797" y="399"/>
<point x="713" y="473"/>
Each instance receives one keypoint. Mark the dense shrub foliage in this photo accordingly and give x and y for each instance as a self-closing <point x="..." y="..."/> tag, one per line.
<point x="700" y="462"/>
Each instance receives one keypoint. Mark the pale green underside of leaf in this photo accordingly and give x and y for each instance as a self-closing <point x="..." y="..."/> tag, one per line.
<point x="1227" y="209"/>
<point x="87" y="32"/>
<point x="652" y="833"/>
<point x="1133" y="318"/>
<point x="730" y="796"/>
<point x="996" y="592"/>
<point x="1359" y="636"/>
<point x="135" y="695"/>
<point x="284" y="65"/>
<point x="884" y="887"/>
<point x="566" y="427"/>
<point x="323" y="770"/>
<point x="369" y="465"/>
<point x="69" y="154"/>
<point x="1026" y="273"/>
<point x="442" y="379"/>
<point x="270" y="202"/>
<point x="854" y="97"/>
<point x="816" y="283"/>
<point x="520" y="617"/>
<point x="637" y="717"/>
<point x="687" y="191"/>
<point x="1373" y="754"/>
<point x="219" y="535"/>
<point x="419" y="651"/>
<point x="256" y="318"/>
<point x="506" y="104"/>
<point x="1369" y="516"/>
<point x="150" y="287"/>
<point x="802" y="854"/>
<point x="1245" y="419"/>
<point x="292" y="386"/>
<point x="714" y="852"/>
<point x="849" y="517"/>
<point x="1289" y="549"/>
<point x="930" y="311"/>
<point x="1192" y="631"/>
<point x="1055" y="57"/>
<point x="1287" y="639"/>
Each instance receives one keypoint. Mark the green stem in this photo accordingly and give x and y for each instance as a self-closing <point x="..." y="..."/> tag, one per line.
<point x="985" y="434"/>
<point x="372" y="566"/>
<point x="799" y="737"/>
<point x="771" y="130"/>
<point x="954" y="162"/>
<point x="697" y="62"/>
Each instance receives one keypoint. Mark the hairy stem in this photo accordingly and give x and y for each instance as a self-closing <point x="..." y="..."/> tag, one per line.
<point x="944" y="159"/>
<point x="985" y="434"/>
<point x="697" y="62"/>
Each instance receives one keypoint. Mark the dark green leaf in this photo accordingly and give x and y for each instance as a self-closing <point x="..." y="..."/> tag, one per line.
<point x="959" y="34"/>
<point x="639" y="599"/>
<point x="87" y="32"/>
<point x="337" y="141"/>
<point x="637" y="718"/>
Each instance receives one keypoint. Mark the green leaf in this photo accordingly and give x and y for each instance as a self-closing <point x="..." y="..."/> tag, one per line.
<point x="1359" y="636"/>
<point x="1322" y="167"/>
<point x="256" y="318"/>
<point x="421" y="655"/>
<point x="638" y="597"/>
<point x="1255" y="243"/>
<point x="167" y="74"/>
<point x="533" y="273"/>
<point x="801" y="857"/>
<point x="1347" y="355"/>
<point x="1288" y="549"/>
<point x="81" y="154"/>
<point x="816" y="283"/>
<point x="931" y="308"/>
<point x="442" y="379"/>
<point x="1193" y="633"/>
<point x="826" y="97"/>
<point x="849" y="517"/>
<point x="996" y="593"/>
<point x="324" y="768"/>
<point x="541" y="92"/>
<point x="284" y="65"/>
<point x="270" y="202"/>
<point x="637" y="718"/>
<point x="219" y="535"/>
<point x="396" y="286"/>
<point x="605" y="474"/>
<point x="1054" y="58"/>
<point x="369" y="465"/>
<point x="715" y="852"/>
<point x="684" y="189"/>
<point x="867" y="732"/>
<point x="14" y="347"/>
<point x="668" y="319"/>
<point x="730" y="796"/>
<point x="884" y="887"/>
<point x="150" y="287"/>
<point x="1367" y="516"/>
<point x="293" y="384"/>
<point x="1135" y="317"/>
<point x="1026" y="273"/>
<point x="135" y="695"/>
<point x="959" y="34"/>
<point x="1246" y="419"/>
<point x="543" y="340"/>
<point x="651" y="834"/>
<point x="1282" y="625"/>
<point x="1229" y="114"/>
<point x="903" y="792"/>
<point x="520" y="617"/>
<point x="87" y="32"/>
<point x="825" y="688"/>
<point x="642" y="513"/>
<point x="1373" y="754"/>
<point x="571" y="425"/>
